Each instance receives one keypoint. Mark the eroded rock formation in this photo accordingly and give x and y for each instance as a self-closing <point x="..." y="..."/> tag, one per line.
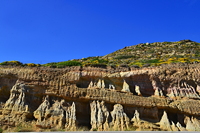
<point x="158" y="98"/>
<point x="165" y="123"/>
<point x="16" y="108"/>
<point x="99" y="116"/>
<point x="56" y="116"/>
<point x="120" y="121"/>
<point x="125" y="87"/>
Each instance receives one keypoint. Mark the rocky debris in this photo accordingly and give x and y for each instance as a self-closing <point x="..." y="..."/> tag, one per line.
<point x="55" y="116"/>
<point x="137" y="90"/>
<point x="165" y="123"/>
<point x="120" y="121"/>
<point x="125" y="87"/>
<point x="99" y="116"/>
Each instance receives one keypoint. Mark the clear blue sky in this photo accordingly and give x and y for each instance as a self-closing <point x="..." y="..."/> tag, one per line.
<point x="42" y="31"/>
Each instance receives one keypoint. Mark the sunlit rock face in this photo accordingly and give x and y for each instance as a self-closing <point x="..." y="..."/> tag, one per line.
<point x="103" y="99"/>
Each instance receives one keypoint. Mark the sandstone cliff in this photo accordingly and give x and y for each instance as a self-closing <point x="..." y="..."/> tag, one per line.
<point x="123" y="98"/>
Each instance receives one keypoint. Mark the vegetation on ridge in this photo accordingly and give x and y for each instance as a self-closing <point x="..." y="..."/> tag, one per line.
<point x="155" y="54"/>
<point x="141" y="55"/>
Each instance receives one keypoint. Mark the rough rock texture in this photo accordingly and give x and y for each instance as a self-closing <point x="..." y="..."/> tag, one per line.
<point x="120" y="120"/>
<point x="57" y="116"/>
<point x="192" y="124"/>
<point x="102" y="98"/>
<point x="136" y="117"/>
<point x="16" y="108"/>
<point x="99" y="116"/>
<point x="137" y="90"/>
<point x="164" y="122"/>
<point x="125" y="87"/>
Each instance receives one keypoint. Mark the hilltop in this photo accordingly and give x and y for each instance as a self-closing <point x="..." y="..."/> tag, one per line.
<point x="140" y="55"/>
<point x="156" y="53"/>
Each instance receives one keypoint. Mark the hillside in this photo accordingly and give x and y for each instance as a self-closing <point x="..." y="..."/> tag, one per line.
<point x="141" y="55"/>
<point x="156" y="53"/>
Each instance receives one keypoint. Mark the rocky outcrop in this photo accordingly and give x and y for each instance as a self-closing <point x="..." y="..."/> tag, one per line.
<point x="174" y="127"/>
<point x="188" y="92"/>
<point x="158" y="92"/>
<point x="137" y="90"/>
<point x="125" y="87"/>
<point x="111" y="87"/>
<point x="100" y="98"/>
<point x="56" y="116"/>
<point x="99" y="84"/>
<point x="136" y="118"/>
<point x="192" y="124"/>
<point x="165" y="123"/>
<point x="16" y="108"/>
<point x="120" y="121"/>
<point x="99" y="116"/>
<point x="180" y="127"/>
<point x="91" y="85"/>
<point x="102" y="119"/>
<point x="16" y="101"/>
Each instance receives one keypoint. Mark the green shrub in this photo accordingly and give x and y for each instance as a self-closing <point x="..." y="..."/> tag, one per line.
<point x="96" y="65"/>
<point x="11" y="63"/>
<point x="68" y="63"/>
<point x="150" y="61"/>
<point x="50" y="64"/>
<point x="124" y="56"/>
<point x="30" y="65"/>
<point x="63" y="64"/>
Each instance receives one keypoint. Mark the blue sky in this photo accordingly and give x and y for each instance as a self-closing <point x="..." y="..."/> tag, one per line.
<point x="43" y="31"/>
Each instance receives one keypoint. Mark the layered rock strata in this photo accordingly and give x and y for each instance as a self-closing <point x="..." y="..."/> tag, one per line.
<point x="102" y="99"/>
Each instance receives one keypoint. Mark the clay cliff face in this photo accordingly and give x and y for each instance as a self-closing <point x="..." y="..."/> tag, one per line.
<point x="157" y="98"/>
